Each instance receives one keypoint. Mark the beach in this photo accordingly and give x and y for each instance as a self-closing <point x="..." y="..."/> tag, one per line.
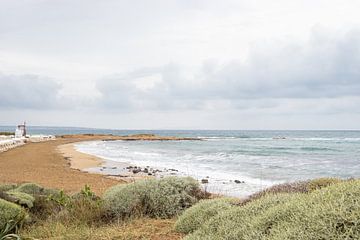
<point x="44" y="164"/>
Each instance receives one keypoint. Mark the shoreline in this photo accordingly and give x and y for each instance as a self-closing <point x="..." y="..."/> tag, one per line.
<point x="93" y="164"/>
<point x="79" y="160"/>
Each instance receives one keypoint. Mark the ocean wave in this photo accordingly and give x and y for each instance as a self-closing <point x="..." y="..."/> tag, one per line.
<point x="312" y="149"/>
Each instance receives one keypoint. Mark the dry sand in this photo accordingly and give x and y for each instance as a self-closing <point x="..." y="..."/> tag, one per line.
<point x="42" y="163"/>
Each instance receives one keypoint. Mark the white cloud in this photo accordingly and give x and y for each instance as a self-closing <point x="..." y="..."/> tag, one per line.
<point x="175" y="60"/>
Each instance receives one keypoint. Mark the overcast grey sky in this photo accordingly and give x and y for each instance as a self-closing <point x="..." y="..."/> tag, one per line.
<point x="166" y="64"/>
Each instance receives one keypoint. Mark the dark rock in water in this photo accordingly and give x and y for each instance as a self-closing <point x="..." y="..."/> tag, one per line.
<point x="136" y="170"/>
<point x="146" y="170"/>
<point x="150" y="174"/>
<point x="204" y="181"/>
<point x="114" y="168"/>
<point x="174" y="170"/>
<point x="207" y="177"/>
<point x="238" y="181"/>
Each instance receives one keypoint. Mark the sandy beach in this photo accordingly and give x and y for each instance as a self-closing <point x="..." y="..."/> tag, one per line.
<point x="44" y="164"/>
<point x="78" y="160"/>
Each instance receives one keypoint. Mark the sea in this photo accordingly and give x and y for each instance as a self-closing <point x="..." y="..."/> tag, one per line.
<point x="234" y="162"/>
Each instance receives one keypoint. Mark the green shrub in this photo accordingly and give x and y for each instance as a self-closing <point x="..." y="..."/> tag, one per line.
<point x="10" y="211"/>
<point x="233" y="223"/>
<point x="152" y="197"/>
<point x="30" y="188"/>
<point x="7" y="187"/>
<point x="36" y="190"/>
<point x="322" y="182"/>
<point x="292" y="187"/>
<point x="201" y="212"/>
<point x="21" y="198"/>
<point x="328" y="213"/>
<point x="81" y="208"/>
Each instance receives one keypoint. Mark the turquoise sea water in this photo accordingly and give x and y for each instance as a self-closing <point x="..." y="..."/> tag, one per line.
<point x="260" y="158"/>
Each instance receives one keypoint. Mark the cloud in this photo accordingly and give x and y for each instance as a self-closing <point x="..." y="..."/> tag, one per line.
<point x="28" y="92"/>
<point x="327" y="66"/>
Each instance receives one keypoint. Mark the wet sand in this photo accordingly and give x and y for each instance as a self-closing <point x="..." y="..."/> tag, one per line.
<point x="44" y="164"/>
<point x="79" y="160"/>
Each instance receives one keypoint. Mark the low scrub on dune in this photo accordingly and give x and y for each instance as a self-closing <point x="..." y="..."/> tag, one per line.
<point x="20" y="198"/>
<point x="233" y="223"/>
<point x="294" y="187"/>
<point x="161" y="198"/>
<point x="319" y="183"/>
<point x="10" y="212"/>
<point x="35" y="189"/>
<point x="198" y="214"/>
<point x="327" y="213"/>
<point x="7" y="187"/>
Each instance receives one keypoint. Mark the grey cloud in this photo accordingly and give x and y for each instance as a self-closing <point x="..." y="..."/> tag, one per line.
<point x="27" y="92"/>
<point x="325" y="67"/>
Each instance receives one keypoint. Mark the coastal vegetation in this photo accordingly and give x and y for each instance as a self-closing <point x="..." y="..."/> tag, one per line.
<point x="6" y="134"/>
<point x="173" y="207"/>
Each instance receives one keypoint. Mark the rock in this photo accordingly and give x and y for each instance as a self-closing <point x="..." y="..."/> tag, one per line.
<point x="204" y="181"/>
<point x="137" y="170"/>
<point x="150" y="174"/>
<point x="238" y="181"/>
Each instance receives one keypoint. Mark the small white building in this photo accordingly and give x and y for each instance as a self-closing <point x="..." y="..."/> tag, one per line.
<point x="20" y="131"/>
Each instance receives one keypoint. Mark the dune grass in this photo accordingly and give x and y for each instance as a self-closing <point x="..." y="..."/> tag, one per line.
<point x="135" y="229"/>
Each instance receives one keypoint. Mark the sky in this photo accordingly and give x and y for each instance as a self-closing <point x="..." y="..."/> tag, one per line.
<point x="181" y="64"/>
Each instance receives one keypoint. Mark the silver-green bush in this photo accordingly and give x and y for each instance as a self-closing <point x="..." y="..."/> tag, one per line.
<point x="233" y="223"/>
<point x="328" y="213"/>
<point x="7" y="187"/>
<point x="152" y="197"/>
<point x="10" y="211"/>
<point x="30" y="188"/>
<point x="36" y="190"/>
<point x="21" y="198"/>
<point x="201" y="212"/>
